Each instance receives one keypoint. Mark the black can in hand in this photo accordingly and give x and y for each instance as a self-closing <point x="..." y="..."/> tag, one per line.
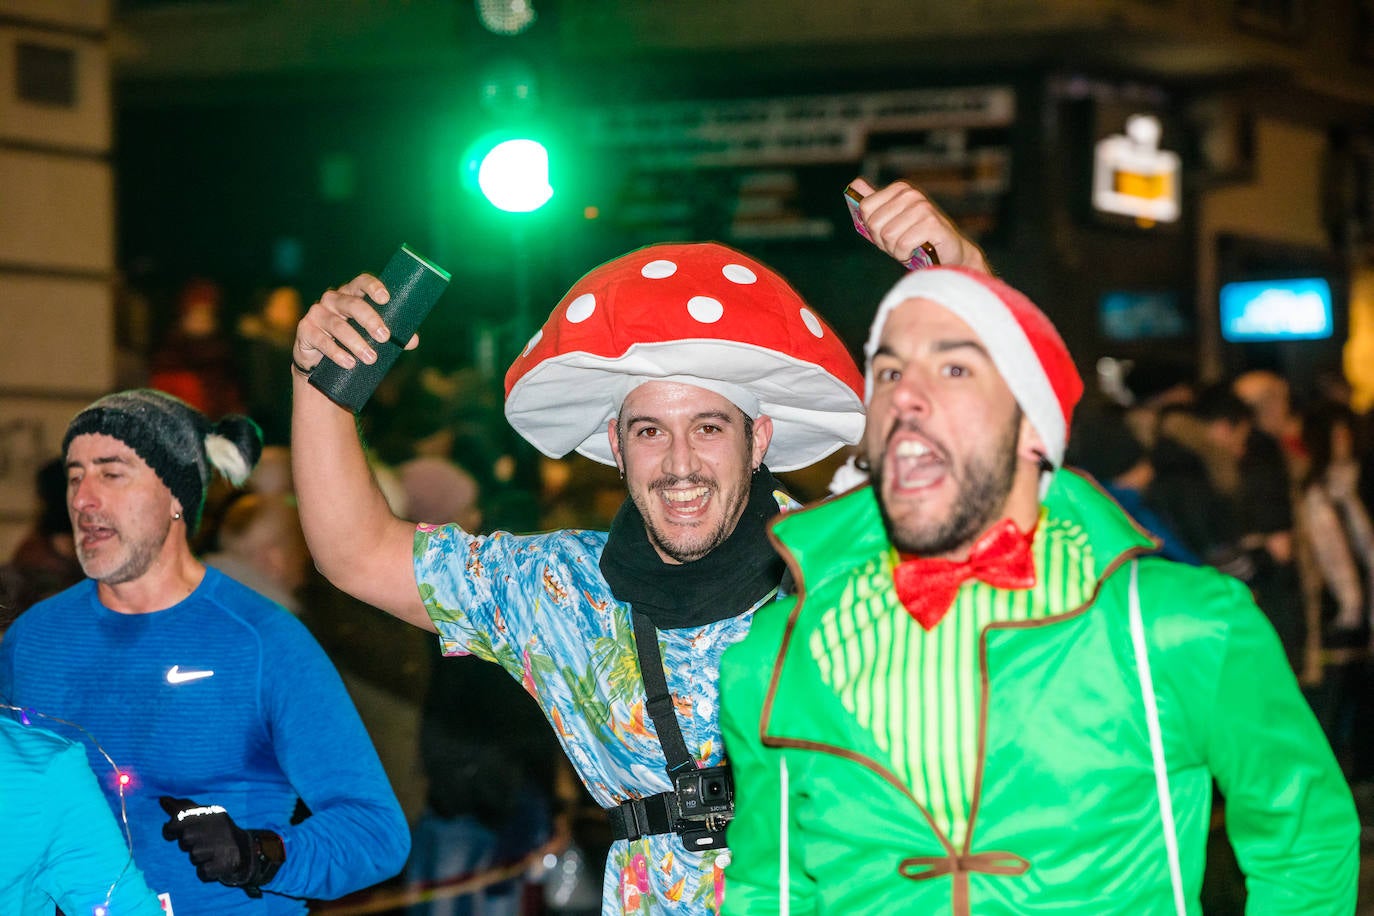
<point x="415" y="284"/>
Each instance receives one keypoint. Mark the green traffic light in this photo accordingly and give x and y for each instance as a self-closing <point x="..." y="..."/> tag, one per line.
<point x="514" y="176"/>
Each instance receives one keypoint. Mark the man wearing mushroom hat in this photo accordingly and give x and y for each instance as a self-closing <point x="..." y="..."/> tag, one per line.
<point x="688" y="367"/>
<point x="988" y="697"/>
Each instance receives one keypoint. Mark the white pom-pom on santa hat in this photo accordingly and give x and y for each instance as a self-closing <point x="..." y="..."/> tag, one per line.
<point x="848" y="476"/>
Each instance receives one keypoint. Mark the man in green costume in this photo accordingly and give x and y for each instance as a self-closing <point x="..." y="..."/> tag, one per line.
<point x="987" y="697"/>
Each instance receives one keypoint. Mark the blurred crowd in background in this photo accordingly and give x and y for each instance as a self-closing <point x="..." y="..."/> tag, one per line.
<point x="1241" y="475"/>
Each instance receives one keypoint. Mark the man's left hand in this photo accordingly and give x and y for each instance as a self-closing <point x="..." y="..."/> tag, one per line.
<point x="220" y="849"/>
<point x="900" y="219"/>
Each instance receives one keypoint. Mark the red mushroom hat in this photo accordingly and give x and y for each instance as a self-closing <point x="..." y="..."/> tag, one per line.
<point x="702" y="314"/>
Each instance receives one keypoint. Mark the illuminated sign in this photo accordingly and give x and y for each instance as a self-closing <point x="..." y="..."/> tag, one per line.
<point x="1258" y="310"/>
<point x="1133" y="177"/>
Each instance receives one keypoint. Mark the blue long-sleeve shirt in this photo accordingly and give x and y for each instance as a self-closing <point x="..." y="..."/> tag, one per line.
<point x="59" y="844"/>
<point x="225" y="699"/>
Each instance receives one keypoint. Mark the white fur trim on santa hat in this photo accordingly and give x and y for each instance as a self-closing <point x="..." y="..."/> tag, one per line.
<point x="990" y="318"/>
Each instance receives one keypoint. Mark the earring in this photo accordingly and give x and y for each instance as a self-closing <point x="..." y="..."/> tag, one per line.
<point x="176" y="516"/>
<point x="861" y="462"/>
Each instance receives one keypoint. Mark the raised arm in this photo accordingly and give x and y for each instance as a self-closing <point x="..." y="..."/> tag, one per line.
<point x="354" y="538"/>
<point x="900" y="219"/>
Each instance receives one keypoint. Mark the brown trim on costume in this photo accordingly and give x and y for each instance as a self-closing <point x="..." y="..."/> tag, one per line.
<point x="985" y="679"/>
<point x="955" y="864"/>
<point x="766" y="716"/>
<point x="959" y="868"/>
<point x="1140" y="529"/>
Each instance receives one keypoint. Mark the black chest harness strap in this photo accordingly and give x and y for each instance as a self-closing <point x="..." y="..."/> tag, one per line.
<point x="660" y="813"/>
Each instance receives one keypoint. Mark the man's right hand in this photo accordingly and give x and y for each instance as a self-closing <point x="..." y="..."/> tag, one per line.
<point x="325" y="331"/>
<point x="355" y="539"/>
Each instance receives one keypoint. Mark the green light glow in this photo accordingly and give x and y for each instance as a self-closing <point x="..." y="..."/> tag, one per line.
<point x="514" y="176"/>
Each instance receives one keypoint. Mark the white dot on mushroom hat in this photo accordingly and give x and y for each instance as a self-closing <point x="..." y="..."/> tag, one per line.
<point x="738" y="273"/>
<point x="705" y="309"/>
<point x="581" y="308"/>
<point x="658" y="270"/>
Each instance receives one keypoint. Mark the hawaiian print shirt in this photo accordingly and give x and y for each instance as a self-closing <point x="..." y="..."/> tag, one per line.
<point x="538" y="606"/>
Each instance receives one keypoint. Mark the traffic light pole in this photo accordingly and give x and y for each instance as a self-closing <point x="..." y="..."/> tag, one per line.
<point x="522" y="264"/>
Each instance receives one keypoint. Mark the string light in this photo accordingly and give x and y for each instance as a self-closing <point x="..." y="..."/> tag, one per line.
<point x="122" y="779"/>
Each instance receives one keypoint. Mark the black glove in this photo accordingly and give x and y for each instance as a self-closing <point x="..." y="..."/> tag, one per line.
<point x="220" y="849"/>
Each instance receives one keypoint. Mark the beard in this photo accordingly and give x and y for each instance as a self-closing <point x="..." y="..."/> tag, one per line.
<point x="694" y="546"/>
<point x="135" y="557"/>
<point x="985" y="481"/>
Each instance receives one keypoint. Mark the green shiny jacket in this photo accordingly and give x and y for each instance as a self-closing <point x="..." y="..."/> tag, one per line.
<point x="1066" y="816"/>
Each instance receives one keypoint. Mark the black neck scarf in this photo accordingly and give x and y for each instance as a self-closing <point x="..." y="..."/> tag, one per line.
<point x="725" y="583"/>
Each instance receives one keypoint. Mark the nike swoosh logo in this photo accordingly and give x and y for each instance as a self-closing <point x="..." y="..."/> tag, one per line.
<point x="176" y="676"/>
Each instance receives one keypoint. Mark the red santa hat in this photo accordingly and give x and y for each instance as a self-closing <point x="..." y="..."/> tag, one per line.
<point x="1021" y="339"/>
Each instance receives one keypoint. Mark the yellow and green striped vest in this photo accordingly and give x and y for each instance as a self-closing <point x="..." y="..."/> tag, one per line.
<point x="918" y="691"/>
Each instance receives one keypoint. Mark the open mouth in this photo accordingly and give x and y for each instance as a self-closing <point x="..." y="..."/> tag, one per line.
<point x="94" y="535"/>
<point x="686" y="501"/>
<point x="914" y="465"/>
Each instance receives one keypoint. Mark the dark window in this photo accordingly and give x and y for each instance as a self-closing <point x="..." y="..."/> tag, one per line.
<point x="46" y="75"/>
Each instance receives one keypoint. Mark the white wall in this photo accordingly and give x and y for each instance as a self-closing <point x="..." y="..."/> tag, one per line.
<point x="56" y="243"/>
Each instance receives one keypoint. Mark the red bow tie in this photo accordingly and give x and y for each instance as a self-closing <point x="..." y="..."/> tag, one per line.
<point x="1001" y="558"/>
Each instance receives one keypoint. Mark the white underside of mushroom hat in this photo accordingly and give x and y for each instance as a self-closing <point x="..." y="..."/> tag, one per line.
<point x="564" y="403"/>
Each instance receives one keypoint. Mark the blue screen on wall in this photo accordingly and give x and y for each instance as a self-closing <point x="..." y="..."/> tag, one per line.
<point x="1292" y="309"/>
<point x="1141" y="314"/>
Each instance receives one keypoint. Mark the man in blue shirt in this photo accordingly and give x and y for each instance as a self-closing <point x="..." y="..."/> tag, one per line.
<point x="218" y="707"/>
